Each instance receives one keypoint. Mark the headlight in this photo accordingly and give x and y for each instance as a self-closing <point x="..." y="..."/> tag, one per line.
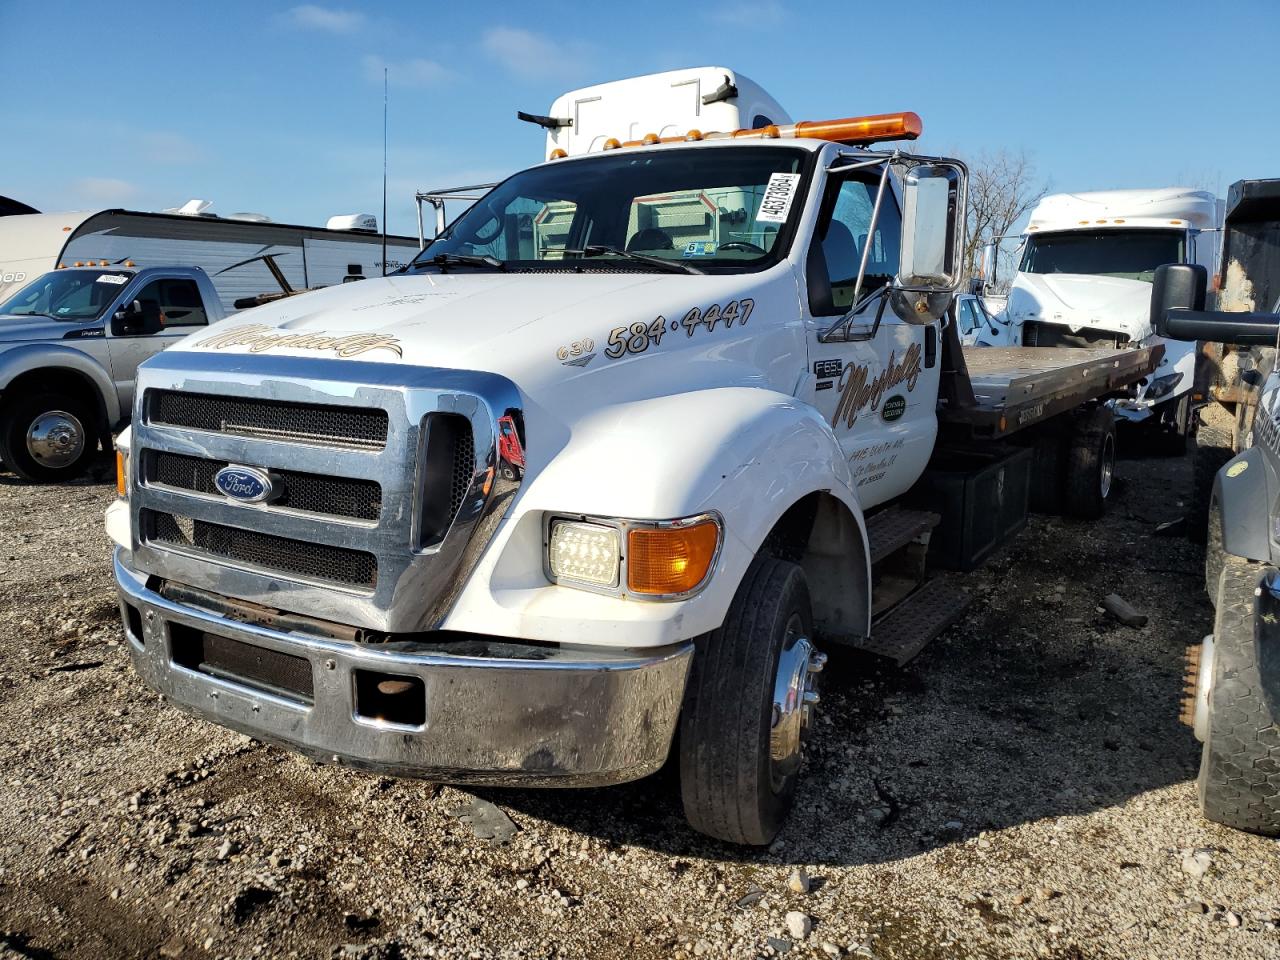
<point x="1162" y="386"/>
<point x="588" y="553"/>
<point x="663" y="560"/>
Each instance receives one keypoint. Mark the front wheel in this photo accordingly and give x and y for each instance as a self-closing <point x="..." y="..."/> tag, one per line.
<point x="1239" y="782"/>
<point x="47" y="437"/>
<point x="748" y="706"/>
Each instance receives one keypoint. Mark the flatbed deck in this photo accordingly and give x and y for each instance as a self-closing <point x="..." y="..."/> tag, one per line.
<point x="1016" y="387"/>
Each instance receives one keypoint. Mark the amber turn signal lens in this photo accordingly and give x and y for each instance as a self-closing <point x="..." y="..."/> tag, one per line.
<point x="670" y="559"/>
<point x="122" y="484"/>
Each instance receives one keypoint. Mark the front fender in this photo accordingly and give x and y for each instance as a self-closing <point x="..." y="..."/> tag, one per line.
<point x="1242" y="495"/>
<point x="25" y="358"/>
<point x="747" y="453"/>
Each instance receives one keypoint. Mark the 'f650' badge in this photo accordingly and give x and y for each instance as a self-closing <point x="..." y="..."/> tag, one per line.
<point x="246" y="484"/>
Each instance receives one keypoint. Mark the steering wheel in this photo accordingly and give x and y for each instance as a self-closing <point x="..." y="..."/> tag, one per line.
<point x="743" y="245"/>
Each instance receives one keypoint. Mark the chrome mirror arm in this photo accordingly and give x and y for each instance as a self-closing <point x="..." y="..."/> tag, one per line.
<point x="838" y="332"/>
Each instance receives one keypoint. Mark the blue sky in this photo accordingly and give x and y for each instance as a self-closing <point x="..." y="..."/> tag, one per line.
<point x="277" y="108"/>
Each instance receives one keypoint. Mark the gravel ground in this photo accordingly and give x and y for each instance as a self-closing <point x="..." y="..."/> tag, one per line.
<point x="1023" y="789"/>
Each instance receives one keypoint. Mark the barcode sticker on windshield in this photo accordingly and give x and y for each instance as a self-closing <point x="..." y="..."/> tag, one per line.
<point x="777" y="198"/>
<point x="112" y="278"/>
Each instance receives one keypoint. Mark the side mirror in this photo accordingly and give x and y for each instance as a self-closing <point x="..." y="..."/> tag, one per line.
<point x="987" y="265"/>
<point x="933" y="205"/>
<point x="138" y="317"/>
<point x="1177" y="311"/>
<point x="1177" y="286"/>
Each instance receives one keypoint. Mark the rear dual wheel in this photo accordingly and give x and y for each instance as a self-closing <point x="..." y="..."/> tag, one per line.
<point x="1090" y="464"/>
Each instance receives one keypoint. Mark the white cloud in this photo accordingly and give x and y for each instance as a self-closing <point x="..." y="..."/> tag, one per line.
<point x="534" y="56"/>
<point x="167" y="148"/>
<point x="104" y="190"/>
<point x="759" y="14"/>
<point x="308" y="16"/>
<point x="417" y="72"/>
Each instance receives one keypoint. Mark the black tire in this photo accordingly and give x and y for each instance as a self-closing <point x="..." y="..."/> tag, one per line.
<point x="727" y="776"/>
<point x="1214" y="446"/>
<point x="1238" y="784"/>
<point x="1173" y="426"/>
<point x="1090" y="464"/>
<point x="19" y="416"/>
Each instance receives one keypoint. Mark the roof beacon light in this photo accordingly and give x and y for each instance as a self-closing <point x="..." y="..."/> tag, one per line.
<point x="851" y="130"/>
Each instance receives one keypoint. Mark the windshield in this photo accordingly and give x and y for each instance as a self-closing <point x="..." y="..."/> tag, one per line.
<point x="1128" y="254"/>
<point x="700" y="207"/>
<point x="76" y="295"/>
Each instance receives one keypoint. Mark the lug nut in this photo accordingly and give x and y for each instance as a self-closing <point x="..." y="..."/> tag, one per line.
<point x="811" y="698"/>
<point x="817" y="660"/>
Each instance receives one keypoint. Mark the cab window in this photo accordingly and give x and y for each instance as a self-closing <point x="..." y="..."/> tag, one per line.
<point x="178" y="300"/>
<point x="843" y="234"/>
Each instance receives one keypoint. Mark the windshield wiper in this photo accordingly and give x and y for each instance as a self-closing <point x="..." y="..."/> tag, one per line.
<point x="461" y="259"/>
<point x="600" y="249"/>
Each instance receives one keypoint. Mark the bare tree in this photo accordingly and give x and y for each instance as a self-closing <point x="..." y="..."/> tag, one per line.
<point x="1002" y="187"/>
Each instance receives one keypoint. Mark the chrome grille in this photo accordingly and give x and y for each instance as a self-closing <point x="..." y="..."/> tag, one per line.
<point x="265" y="551"/>
<point x="312" y="493"/>
<point x="337" y="426"/>
<point x="410" y="452"/>
<point x="463" y="473"/>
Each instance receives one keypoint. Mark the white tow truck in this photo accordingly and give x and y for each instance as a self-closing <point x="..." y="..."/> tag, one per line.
<point x="1084" y="279"/>
<point x="517" y="514"/>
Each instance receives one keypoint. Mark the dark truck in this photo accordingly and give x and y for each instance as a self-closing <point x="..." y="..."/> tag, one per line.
<point x="1234" y="673"/>
<point x="1229" y="376"/>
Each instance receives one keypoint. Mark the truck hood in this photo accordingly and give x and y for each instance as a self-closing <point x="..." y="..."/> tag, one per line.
<point x="543" y="331"/>
<point x="21" y="329"/>
<point x="1078" y="301"/>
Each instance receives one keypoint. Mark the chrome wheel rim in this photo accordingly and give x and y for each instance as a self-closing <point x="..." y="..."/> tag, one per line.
<point x="1108" y="466"/>
<point x="55" y="439"/>
<point x="794" y="697"/>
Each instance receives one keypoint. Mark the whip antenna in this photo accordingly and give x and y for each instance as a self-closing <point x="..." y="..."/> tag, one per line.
<point x="384" y="171"/>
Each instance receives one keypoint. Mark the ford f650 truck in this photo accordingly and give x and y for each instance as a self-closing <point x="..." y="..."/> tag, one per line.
<point x="523" y="511"/>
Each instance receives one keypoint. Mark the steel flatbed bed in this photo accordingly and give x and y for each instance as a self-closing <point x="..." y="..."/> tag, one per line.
<point x="1016" y="387"/>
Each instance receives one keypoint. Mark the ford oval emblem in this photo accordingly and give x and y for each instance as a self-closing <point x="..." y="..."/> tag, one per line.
<point x="245" y="484"/>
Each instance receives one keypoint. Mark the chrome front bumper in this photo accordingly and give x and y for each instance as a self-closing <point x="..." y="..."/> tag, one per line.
<point x="496" y="712"/>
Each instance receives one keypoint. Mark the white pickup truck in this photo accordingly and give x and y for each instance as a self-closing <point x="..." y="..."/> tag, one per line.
<point x="520" y="512"/>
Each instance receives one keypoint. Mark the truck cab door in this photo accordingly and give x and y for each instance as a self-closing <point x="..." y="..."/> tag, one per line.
<point x="876" y="382"/>
<point x="181" y="309"/>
